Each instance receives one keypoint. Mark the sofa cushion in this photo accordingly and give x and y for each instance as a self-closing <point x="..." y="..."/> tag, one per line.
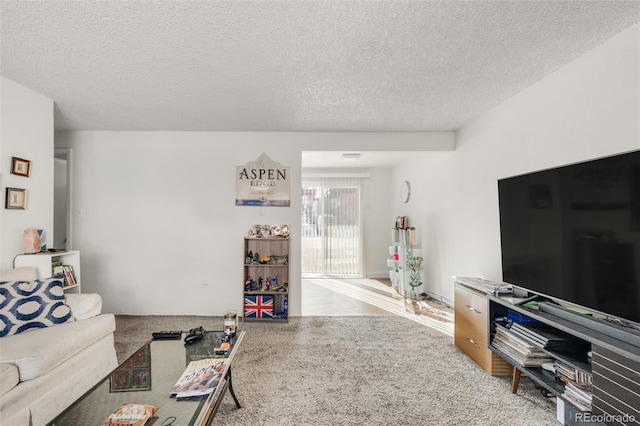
<point x="9" y="377"/>
<point x="23" y="308"/>
<point x="84" y="305"/>
<point x="38" y="351"/>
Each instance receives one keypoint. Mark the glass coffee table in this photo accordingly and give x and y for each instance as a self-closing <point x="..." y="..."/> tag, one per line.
<point x="147" y="377"/>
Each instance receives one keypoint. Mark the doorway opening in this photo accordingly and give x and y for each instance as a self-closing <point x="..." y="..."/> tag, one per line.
<point x="332" y="227"/>
<point x="62" y="200"/>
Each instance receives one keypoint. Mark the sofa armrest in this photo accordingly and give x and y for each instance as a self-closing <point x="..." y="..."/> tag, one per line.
<point x="84" y="305"/>
<point x="23" y="273"/>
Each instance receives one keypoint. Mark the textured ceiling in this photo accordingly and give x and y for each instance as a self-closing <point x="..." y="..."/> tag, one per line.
<point x="292" y="65"/>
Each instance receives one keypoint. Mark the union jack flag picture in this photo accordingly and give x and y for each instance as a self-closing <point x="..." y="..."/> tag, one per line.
<point x="258" y="306"/>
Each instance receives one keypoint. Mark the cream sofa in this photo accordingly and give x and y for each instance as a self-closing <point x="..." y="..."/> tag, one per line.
<point x="43" y="371"/>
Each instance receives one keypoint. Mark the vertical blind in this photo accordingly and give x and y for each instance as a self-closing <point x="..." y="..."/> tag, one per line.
<point x="331" y="226"/>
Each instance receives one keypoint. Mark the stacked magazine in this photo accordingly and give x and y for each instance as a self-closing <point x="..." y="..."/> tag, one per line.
<point x="541" y="335"/>
<point x="201" y="377"/>
<point x="529" y="343"/>
<point x="579" y="394"/>
<point x="521" y="350"/>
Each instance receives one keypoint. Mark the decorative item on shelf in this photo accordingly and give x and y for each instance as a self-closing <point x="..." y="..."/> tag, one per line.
<point x="414" y="263"/>
<point x="230" y="322"/>
<point x="280" y="287"/>
<point x="402" y="222"/>
<point x="268" y="231"/>
<point x="258" y="306"/>
<point x="251" y="285"/>
<point x="43" y="244"/>
<point x="30" y="241"/>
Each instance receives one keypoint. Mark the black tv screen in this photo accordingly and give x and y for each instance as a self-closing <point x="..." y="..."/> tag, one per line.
<point x="573" y="233"/>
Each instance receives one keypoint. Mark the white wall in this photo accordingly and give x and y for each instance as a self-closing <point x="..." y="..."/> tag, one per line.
<point x="155" y="218"/>
<point x="588" y="109"/>
<point x="377" y="225"/>
<point x="26" y="131"/>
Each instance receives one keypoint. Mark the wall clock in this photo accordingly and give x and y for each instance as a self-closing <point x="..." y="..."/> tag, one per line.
<point x="405" y="191"/>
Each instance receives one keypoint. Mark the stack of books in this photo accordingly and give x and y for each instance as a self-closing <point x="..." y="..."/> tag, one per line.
<point x="521" y="350"/>
<point x="67" y="271"/>
<point x="578" y="386"/>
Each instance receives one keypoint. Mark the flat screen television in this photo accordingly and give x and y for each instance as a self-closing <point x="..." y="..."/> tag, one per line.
<point x="573" y="233"/>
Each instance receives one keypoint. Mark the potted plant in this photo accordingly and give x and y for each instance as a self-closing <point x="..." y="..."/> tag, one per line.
<point x="414" y="263"/>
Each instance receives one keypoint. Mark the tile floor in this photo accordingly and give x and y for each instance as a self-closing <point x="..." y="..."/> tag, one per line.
<point x="340" y="297"/>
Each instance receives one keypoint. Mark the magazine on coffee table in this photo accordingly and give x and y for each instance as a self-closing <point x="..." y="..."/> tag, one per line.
<point x="131" y="414"/>
<point x="200" y="377"/>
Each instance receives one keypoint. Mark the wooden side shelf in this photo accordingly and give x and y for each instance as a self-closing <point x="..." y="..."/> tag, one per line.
<point x="43" y="263"/>
<point x="266" y="279"/>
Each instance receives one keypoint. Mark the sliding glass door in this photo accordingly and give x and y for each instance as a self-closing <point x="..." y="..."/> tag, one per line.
<point x="331" y="227"/>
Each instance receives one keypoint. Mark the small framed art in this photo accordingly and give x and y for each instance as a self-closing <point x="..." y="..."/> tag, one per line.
<point x="20" y="166"/>
<point x="16" y="199"/>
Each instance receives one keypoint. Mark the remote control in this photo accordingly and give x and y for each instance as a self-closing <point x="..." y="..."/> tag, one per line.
<point x="166" y="335"/>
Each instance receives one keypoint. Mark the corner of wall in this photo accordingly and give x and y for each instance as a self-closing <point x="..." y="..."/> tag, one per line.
<point x="26" y="131"/>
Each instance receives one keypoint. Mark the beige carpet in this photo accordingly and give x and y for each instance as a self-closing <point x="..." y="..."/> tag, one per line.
<point x="355" y="370"/>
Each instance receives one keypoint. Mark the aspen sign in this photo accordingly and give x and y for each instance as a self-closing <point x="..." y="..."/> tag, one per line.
<point x="263" y="182"/>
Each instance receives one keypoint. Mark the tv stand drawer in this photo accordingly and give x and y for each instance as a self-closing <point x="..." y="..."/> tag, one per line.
<point x="470" y="330"/>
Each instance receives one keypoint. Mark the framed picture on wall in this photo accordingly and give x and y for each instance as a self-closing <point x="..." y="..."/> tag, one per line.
<point x="20" y="166"/>
<point x="16" y="199"/>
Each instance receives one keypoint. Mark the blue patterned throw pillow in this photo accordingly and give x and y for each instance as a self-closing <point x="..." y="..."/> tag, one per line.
<point x="29" y="305"/>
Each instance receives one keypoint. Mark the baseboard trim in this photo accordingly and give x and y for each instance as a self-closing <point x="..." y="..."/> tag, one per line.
<point x="378" y="275"/>
<point x="441" y="299"/>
